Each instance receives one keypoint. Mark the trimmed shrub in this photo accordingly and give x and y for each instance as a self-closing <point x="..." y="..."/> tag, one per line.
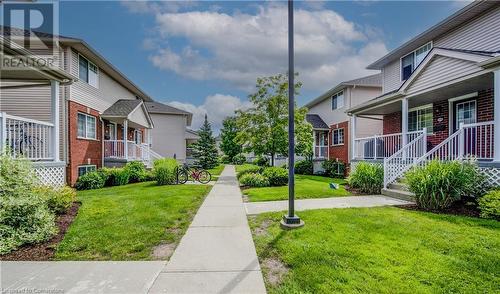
<point x="333" y="168"/>
<point x="239" y="159"/>
<point x="489" y="205"/>
<point x="224" y="159"/>
<point x="261" y="161"/>
<point x="304" y="167"/>
<point x="118" y="176"/>
<point x="136" y="170"/>
<point x="24" y="215"/>
<point x="165" y="171"/>
<point x="368" y="178"/>
<point x="277" y="176"/>
<point x="248" y="169"/>
<point x="254" y="180"/>
<point x="58" y="200"/>
<point x="90" y="180"/>
<point x="438" y="184"/>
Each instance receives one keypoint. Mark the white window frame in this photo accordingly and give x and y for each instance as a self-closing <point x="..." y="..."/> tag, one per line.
<point x="113" y="136"/>
<point x="422" y="107"/>
<point x="87" y="137"/>
<point x="336" y="95"/>
<point x="333" y="136"/>
<point x="414" y="52"/>
<point x="89" y="63"/>
<point x="92" y="168"/>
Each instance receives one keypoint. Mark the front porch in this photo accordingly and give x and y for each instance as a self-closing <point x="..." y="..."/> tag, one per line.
<point x="436" y="115"/>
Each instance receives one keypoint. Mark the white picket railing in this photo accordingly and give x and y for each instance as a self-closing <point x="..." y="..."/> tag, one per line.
<point x="26" y="138"/>
<point x="320" y="151"/>
<point x="403" y="159"/>
<point x="114" y="149"/>
<point x="141" y="152"/>
<point x="381" y="146"/>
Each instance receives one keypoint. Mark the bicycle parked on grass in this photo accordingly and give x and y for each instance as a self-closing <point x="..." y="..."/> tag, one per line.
<point x="185" y="172"/>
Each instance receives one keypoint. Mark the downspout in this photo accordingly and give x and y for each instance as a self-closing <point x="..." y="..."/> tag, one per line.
<point x="102" y="141"/>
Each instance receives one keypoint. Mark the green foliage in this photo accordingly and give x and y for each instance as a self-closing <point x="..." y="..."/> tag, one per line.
<point x="90" y="180"/>
<point x="304" y="167"/>
<point x="247" y="169"/>
<point x="205" y="149"/>
<point x="58" y="200"/>
<point x="254" y="180"/>
<point x="24" y="215"/>
<point x="489" y="205"/>
<point x="368" y="178"/>
<point x="333" y="168"/>
<point x="229" y="146"/>
<point x="277" y="176"/>
<point x="239" y="159"/>
<point x="224" y="159"/>
<point x="264" y="126"/>
<point x="261" y="161"/>
<point x="165" y="171"/>
<point x="118" y="176"/>
<point x="438" y="184"/>
<point x="137" y="171"/>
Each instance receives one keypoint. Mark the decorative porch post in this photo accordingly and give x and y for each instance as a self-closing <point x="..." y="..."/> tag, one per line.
<point x="404" y="124"/>
<point x="496" y="116"/>
<point x="314" y="144"/>
<point x="3" y="131"/>
<point x="54" y="95"/>
<point x="125" y="141"/>
<point x="353" y="136"/>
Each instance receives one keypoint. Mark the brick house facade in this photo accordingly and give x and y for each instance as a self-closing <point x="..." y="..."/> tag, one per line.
<point x="341" y="151"/>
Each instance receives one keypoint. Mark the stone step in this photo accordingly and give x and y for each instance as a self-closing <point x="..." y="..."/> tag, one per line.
<point x="398" y="186"/>
<point x="399" y="194"/>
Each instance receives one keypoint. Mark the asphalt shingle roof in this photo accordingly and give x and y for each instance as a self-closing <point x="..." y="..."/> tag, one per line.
<point x="316" y="121"/>
<point x="122" y="107"/>
<point x="156" y="107"/>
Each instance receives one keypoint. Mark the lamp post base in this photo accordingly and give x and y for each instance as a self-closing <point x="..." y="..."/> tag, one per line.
<point x="288" y="223"/>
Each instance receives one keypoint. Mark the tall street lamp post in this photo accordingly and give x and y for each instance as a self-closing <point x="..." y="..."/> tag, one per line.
<point x="290" y="220"/>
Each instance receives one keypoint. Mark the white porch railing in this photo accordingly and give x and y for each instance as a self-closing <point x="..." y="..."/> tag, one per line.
<point x="381" y="146"/>
<point x="403" y="159"/>
<point x="28" y="138"/>
<point x="320" y="151"/>
<point x="114" y="149"/>
<point x="141" y="152"/>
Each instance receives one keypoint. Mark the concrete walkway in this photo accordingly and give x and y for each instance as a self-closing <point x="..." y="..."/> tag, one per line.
<point x="217" y="253"/>
<point x="334" y="202"/>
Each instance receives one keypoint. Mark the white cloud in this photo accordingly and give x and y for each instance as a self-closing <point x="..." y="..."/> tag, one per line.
<point x="217" y="107"/>
<point x="239" y="47"/>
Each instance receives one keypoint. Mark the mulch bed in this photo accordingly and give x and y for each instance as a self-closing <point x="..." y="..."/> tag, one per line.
<point x="458" y="208"/>
<point x="45" y="251"/>
<point x="354" y="191"/>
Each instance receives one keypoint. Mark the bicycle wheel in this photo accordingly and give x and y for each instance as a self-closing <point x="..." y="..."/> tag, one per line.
<point x="204" y="177"/>
<point x="182" y="177"/>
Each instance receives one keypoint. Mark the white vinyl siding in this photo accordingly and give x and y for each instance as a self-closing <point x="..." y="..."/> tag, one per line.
<point x="338" y="137"/>
<point x="338" y="100"/>
<point x="86" y="126"/>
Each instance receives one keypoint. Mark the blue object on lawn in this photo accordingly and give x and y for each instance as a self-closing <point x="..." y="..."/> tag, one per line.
<point x="334" y="186"/>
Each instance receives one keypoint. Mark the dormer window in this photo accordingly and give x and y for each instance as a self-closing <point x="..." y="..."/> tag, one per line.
<point x="410" y="62"/>
<point x="338" y="100"/>
<point x="87" y="71"/>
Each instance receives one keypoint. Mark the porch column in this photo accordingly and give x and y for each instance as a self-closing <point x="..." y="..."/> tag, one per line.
<point x="404" y="121"/>
<point x="496" y="116"/>
<point x="55" y="105"/>
<point x="353" y="136"/>
<point x="125" y="135"/>
<point x="314" y="144"/>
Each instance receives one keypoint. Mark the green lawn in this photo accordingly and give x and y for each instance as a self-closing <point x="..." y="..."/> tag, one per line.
<point x="380" y="250"/>
<point x="216" y="171"/>
<point x="126" y="222"/>
<point x="305" y="187"/>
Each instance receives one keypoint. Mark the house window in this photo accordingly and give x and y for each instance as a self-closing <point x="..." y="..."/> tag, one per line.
<point x="83" y="169"/>
<point x="338" y="137"/>
<point x="421" y="118"/>
<point x="87" y="71"/>
<point x="338" y="100"/>
<point x="86" y="126"/>
<point x="410" y="62"/>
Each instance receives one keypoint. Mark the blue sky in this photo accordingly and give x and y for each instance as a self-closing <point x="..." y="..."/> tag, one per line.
<point x="204" y="56"/>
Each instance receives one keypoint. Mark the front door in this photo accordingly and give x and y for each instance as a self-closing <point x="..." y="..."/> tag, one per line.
<point x="465" y="112"/>
<point x="138" y="136"/>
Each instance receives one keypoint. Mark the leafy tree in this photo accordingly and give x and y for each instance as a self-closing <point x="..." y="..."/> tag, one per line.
<point x="205" y="149"/>
<point x="263" y="128"/>
<point x="229" y="145"/>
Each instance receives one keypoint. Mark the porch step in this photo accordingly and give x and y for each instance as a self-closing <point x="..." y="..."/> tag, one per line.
<point x="398" y="186"/>
<point x="399" y="194"/>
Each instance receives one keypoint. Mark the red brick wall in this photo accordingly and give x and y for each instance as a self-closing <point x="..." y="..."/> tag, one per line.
<point x="342" y="151"/>
<point x="485" y="105"/>
<point x="81" y="151"/>
<point x="392" y="123"/>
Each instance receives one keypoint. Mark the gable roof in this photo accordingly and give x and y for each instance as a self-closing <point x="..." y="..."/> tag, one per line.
<point x="316" y="121"/>
<point x="468" y="12"/>
<point x="122" y="108"/>
<point x="160" y="108"/>
<point x="374" y="80"/>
